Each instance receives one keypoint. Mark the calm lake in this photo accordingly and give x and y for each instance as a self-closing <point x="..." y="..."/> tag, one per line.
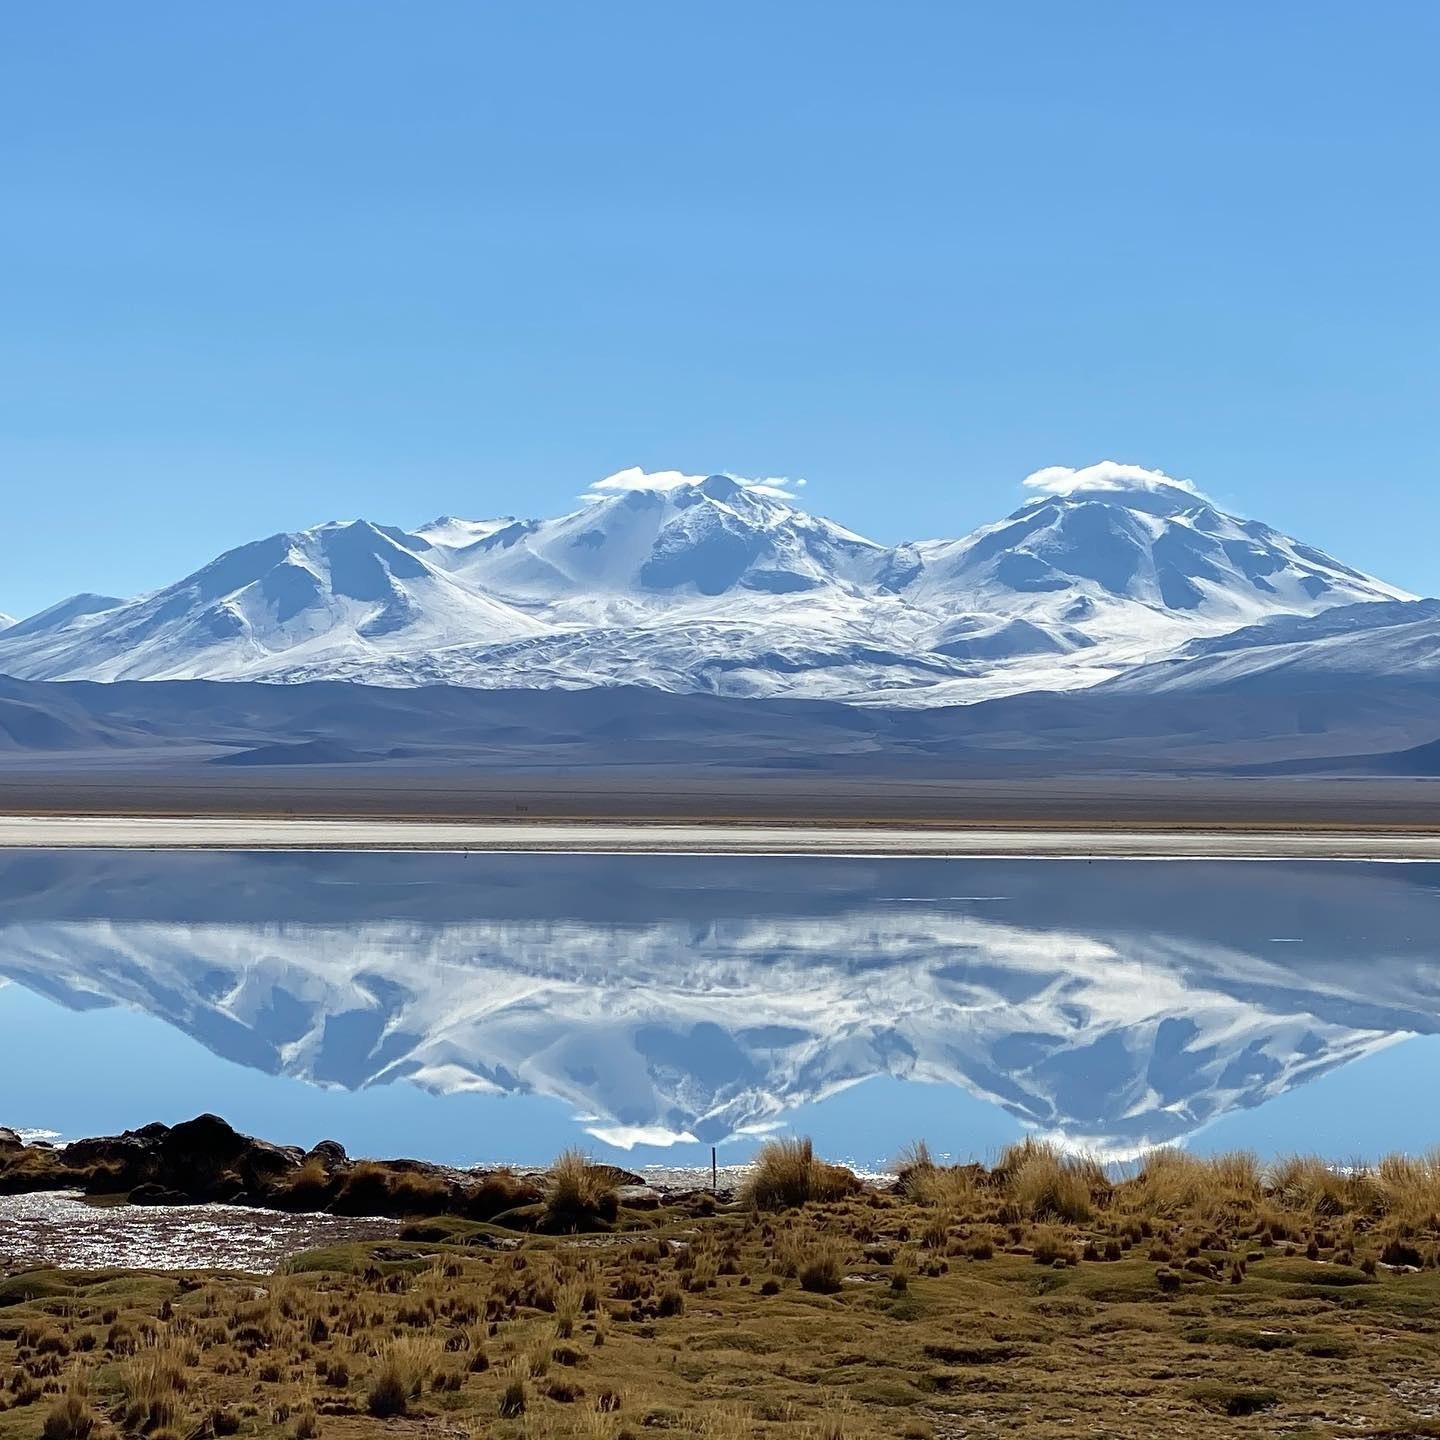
<point x="502" y="1007"/>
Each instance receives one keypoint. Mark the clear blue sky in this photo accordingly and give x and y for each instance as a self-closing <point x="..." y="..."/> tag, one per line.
<point x="271" y="263"/>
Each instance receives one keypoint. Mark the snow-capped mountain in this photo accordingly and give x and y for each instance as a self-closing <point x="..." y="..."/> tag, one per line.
<point x="715" y="585"/>
<point x="652" y="548"/>
<point x="337" y="590"/>
<point x="1132" y="564"/>
<point x="1116" y="1005"/>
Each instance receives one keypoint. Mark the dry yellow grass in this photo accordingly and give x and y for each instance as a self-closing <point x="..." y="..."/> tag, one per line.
<point x="786" y="1173"/>
<point x="1046" y="1185"/>
<point x="403" y="1369"/>
<point x="70" y="1416"/>
<point x="577" y="1193"/>
<point x="153" y="1384"/>
<point x="1199" y="1296"/>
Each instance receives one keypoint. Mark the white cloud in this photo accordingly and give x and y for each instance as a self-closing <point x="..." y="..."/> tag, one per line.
<point x="778" y="487"/>
<point x="1105" y="475"/>
<point x="627" y="1137"/>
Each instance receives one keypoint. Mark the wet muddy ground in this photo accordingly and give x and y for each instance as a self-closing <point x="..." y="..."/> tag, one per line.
<point x="59" y="1228"/>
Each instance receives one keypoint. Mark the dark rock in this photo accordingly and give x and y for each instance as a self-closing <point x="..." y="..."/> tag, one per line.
<point x="153" y="1194"/>
<point x="639" y="1197"/>
<point x="486" y="1241"/>
<point x="427" y="1168"/>
<point x="397" y="1254"/>
<point x="330" y="1154"/>
<point x="208" y="1145"/>
<point x="206" y="1160"/>
<point x="203" y="1159"/>
<point x="9" y="1139"/>
<point x="614" y="1175"/>
<point x="113" y="1162"/>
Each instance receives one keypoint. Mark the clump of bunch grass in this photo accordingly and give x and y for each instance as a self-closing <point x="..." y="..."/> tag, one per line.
<point x="1404" y="1186"/>
<point x="405" y="1366"/>
<point x="1216" y="1189"/>
<point x="822" y="1265"/>
<point x="947" y="1187"/>
<point x="513" y="1398"/>
<point x="153" y="1383"/>
<point x="1308" y="1185"/>
<point x="1045" y="1184"/>
<point x="578" y="1194"/>
<point x="373" y="1189"/>
<point x="785" y="1173"/>
<point x="70" y="1417"/>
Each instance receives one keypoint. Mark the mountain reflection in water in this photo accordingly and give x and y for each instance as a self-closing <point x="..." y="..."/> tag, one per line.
<point x="1114" y="1004"/>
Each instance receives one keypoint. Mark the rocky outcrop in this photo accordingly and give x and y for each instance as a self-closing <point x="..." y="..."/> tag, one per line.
<point x="198" y="1160"/>
<point x="206" y="1160"/>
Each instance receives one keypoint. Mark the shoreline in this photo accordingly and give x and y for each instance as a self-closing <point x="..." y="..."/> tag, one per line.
<point x="797" y="838"/>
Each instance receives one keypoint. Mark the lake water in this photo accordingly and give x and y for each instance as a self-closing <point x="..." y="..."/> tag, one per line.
<point x="502" y="1007"/>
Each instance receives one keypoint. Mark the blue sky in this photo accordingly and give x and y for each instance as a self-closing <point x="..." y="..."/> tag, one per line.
<point x="268" y="264"/>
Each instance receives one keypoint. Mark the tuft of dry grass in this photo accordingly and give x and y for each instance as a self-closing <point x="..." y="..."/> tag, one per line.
<point x="498" y="1191"/>
<point x="1404" y="1187"/>
<point x="514" y="1398"/>
<point x="70" y="1416"/>
<point x="1173" y="1183"/>
<point x="578" y="1193"/>
<point x="1306" y="1183"/>
<point x="405" y="1366"/>
<point x="153" y="1383"/>
<point x="371" y="1189"/>
<point x="822" y="1265"/>
<point x="947" y="1187"/>
<point x="785" y="1173"/>
<point x="1047" y="1185"/>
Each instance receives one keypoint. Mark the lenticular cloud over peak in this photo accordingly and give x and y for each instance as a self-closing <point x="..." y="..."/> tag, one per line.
<point x="1104" y="475"/>
<point x="778" y="487"/>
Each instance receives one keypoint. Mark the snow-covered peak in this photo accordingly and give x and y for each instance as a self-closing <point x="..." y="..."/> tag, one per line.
<point x="340" y="590"/>
<point x="701" y="537"/>
<point x="6" y="621"/>
<point x="450" y="532"/>
<point x="634" y="478"/>
<point x="1134" y="561"/>
<point x="62" y="613"/>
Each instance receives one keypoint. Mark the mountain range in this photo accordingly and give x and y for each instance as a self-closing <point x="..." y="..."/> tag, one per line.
<point x="717" y="586"/>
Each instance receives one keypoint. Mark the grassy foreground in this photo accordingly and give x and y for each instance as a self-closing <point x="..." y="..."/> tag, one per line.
<point x="1035" y="1298"/>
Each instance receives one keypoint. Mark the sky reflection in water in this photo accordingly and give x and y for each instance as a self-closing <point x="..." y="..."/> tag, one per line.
<point x="502" y="1007"/>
